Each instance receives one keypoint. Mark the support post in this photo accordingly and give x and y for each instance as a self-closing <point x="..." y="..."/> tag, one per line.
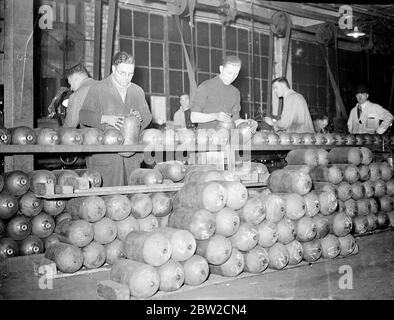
<point x="109" y="45"/>
<point x="18" y="74"/>
<point x="97" y="40"/>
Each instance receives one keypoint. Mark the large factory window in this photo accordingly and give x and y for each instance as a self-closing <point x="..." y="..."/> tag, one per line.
<point x="309" y="75"/>
<point x="142" y="34"/>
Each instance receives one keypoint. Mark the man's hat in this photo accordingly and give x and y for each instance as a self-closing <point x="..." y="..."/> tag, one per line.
<point x="361" y="88"/>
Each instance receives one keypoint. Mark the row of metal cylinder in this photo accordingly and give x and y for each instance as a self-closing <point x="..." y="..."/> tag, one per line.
<point x="282" y="138"/>
<point x="64" y="136"/>
<point x="92" y="136"/>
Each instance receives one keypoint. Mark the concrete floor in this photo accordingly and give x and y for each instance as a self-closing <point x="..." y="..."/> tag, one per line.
<point x="372" y="268"/>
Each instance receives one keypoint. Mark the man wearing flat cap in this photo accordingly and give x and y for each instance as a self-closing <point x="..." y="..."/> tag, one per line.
<point x="368" y="117"/>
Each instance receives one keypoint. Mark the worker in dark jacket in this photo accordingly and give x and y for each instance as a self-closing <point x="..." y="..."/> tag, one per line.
<point x="106" y="106"/>
<point x="80" y="83"/>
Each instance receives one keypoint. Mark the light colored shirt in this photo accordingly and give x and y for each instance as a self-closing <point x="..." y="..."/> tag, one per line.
<point x="371" y="115"/>
<point x="179" y="118"/>
<point x="75" y="103"/>
<point x="295" y="116"/>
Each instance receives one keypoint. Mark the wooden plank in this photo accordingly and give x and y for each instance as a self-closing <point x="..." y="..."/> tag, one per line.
<point x="33" y="149"/>
<point x="109" y="44"/>
<point x="27" y="149"/>
<point x="173" y="187"/>
<point x="83" y="271"/>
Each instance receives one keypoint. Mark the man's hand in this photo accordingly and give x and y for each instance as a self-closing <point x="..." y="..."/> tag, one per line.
<point x="224" y="117"/>
<point x="253" y="125"/>
<point x="114" y="121"/>
<point x="269" y="121"/>
<point x="136" y="114"/>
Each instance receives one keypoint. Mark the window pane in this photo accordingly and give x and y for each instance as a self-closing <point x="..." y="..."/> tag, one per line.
<point x="264" y="68"/>
<point x="312" y="96"/>
<point x="313" y="51"/>
<point x="321" y="97"/>
<point x="140" y="24"/>
<point x="173" y="33"/>
<point x="156" y="51"/>
<point x="239" y="83"/>
<point x="156" y="27"/>
<point x="302" y="73"/>
<point x="141" y="53"/>
<point x="256" y="67"/>
<point x="256" y="43"/>
<point x="228" y="52"/>
<point x="303" y="89"/>
<point x="296" y="73"/>
<point x="321" y="76"/>
<point x="257" y="90"/>
<point x="202" y="34"/>
<point x="175" y="83"/>
<point x="175" y="56"/>
<point x="264" y="44"/>
<point x="141" y="77"/>
<point x="245" y="65"/>
<point x="216" y="60"/>
<point x="216" y="35"/>
<point x="186" y="83"/>
<point x="126" y="45"/>
<point x="309" y="74"/>
<point x="186" y="30"/>
<point x="157" y="81"/>
<point x="264" y="85"/>
<point x="202" y="77"/>
<point x="174" y="106"/>
<point x="231" y="38"/>
<point x="125" y="22"/>
<point x="244" y="89"/>
<point x="320" y="58"/>
<point x="243" y="40"/>
<point x="203" y="59"/>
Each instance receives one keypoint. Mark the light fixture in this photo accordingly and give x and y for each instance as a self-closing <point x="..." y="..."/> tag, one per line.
<point x="355" y="33"/>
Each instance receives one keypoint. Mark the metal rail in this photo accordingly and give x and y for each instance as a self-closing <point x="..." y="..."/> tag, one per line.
<point x="33" y="149"/>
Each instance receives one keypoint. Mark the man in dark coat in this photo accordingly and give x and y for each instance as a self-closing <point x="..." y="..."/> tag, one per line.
<point x="106" y="106"/>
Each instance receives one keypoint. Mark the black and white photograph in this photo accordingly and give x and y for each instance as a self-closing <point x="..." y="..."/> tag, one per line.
<point x="194" y="156"/>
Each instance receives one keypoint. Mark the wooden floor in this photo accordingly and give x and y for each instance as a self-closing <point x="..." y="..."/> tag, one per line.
<point x="372" y="268"/>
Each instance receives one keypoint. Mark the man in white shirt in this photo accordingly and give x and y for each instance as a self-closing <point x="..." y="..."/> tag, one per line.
<point x="368" y="117"/>
<point x="182" y="115"/>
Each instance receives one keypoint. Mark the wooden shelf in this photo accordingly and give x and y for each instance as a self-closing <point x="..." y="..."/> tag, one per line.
<point x="173" y="187"/>
<point x="33" y="149"/>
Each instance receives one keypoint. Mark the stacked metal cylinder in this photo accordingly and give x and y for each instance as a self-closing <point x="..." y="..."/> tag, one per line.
<point x="26" y="221"/>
